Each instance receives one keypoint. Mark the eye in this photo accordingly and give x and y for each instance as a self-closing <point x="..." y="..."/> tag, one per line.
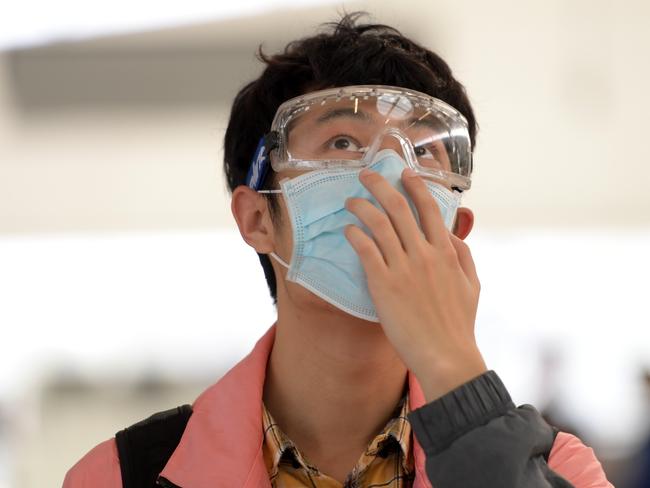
<point x="343" y="143"/>
<point x="424" y="152"/>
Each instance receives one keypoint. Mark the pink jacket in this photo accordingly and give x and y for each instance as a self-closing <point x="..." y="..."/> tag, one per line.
<point x="222" y="443"/>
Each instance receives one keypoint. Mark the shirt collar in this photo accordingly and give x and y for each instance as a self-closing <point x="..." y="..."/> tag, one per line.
<point x="395" y="434"/>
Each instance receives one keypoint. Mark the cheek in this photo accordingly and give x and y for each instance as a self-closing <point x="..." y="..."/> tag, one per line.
<point x="284" y="230"/>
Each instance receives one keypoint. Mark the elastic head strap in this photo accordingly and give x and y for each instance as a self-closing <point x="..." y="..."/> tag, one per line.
<point x="261" y="161"/>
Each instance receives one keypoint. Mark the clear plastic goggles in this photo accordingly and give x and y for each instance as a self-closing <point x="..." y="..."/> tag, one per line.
<point x="346" y="127"/>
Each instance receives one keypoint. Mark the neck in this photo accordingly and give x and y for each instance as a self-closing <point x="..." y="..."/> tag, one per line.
<point x="332" y="379"/>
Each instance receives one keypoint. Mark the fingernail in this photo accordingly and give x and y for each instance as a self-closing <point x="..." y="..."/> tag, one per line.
<point x="409" y="173"/>
<point x="364" y="172"/>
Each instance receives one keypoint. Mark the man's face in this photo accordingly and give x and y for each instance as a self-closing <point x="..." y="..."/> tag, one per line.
<point x="337" y="130"/>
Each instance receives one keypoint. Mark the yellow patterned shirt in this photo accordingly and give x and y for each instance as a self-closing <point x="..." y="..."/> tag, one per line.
<point x="386" y="462"/>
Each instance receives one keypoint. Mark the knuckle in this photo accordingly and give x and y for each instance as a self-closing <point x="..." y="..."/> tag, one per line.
<point x="463" y="247"/>
<point x="362" y="244"/>
<point x="461" y="243"/>
<point x="364" y="247"/>
<point x="371" y="177"/>
<point x="397" y="201"/>
<point x="397" y="283"/>
<point x="449" y="253"/>
<point x="426" y="257"/>
<point x="353" y="204"/>
<point x="423" y="250"/>
<point x="379" y="220"/>
<point x="375" y="221"/>
<point x="420" y="191"/>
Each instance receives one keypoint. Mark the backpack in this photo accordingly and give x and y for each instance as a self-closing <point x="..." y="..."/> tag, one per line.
<point x="145" y="447"/>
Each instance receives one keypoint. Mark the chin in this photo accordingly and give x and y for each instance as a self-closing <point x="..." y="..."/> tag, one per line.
<point x="308" y="301"/>
<point x="338" y="313"/>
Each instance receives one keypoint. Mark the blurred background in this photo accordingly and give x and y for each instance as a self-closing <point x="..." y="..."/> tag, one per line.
<point x="125" y="288"/>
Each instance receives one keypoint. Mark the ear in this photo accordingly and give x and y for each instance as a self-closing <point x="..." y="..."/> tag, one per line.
<point x="253" y="219"/>
<point x="464" y="222"/>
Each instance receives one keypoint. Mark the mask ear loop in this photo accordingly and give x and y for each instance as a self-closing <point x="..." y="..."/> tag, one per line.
<point x="279" y="259"/>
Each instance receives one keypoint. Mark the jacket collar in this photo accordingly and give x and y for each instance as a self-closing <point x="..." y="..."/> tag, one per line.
<point x="222" y="443"/>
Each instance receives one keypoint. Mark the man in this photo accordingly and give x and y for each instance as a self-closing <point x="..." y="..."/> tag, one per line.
<point x="371" y="375"/>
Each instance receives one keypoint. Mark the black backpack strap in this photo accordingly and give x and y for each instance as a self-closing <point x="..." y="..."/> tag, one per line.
<point x="145" y="447"/>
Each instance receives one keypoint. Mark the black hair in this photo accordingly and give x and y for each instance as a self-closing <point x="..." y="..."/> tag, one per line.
<point x="344" y="53"/>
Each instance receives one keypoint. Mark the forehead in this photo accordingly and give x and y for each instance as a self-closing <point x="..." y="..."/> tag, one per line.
<point x="376" y="111"/>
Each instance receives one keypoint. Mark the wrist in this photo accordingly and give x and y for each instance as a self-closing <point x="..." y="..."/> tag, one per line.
<point x="439" y="377"/>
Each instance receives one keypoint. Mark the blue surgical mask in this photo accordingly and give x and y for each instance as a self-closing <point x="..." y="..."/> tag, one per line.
<point x="323" y="261"/>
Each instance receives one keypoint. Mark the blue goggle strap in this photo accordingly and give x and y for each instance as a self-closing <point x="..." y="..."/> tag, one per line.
<point x="261" y="161"/>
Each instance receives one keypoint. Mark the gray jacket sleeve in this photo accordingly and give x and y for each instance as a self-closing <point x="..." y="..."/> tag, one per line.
<point x="474" y="436"/>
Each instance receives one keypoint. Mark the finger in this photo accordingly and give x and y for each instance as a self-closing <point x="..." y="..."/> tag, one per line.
<point x="380" y="226"/>
<point x="366" y="248"/>
<point x="465" y="258"/>
<point x="396" y="207"/>
<point x="433" y="226"/>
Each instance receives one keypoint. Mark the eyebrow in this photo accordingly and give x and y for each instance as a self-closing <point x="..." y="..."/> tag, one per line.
<point x="343" y="112"/>
<point x="426" y="122"/>
<point x="360" y="115"/>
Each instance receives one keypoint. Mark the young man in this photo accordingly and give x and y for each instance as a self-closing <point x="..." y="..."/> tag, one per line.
<point x="371" y="375"/>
